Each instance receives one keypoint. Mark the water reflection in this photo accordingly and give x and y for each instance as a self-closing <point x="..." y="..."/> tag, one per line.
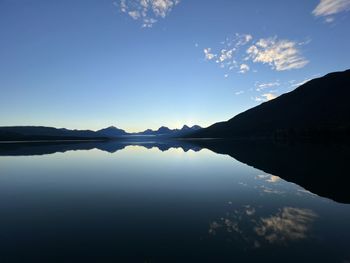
<point x="29" y="148"/>
<point x="321" y="169"/>
<point x="289" y="224"/>
<point x="286" y="225"/>
<point x="153" y="201"/>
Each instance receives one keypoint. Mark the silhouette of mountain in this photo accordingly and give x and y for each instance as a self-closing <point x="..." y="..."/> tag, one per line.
<point x="146" y="132"/>
<point x="319" y="108"/>
<point x="165" y="131"/>
<point x="31" y="133"/>
<point x="161" y="131"/>
<point x="25" y="133"/>
<point x="195" y="127"/>
<point x="111" y="132"/>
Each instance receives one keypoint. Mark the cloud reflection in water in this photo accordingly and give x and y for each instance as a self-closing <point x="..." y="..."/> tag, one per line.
<point x="289" y="224"/>
<point x="286" y="225"/>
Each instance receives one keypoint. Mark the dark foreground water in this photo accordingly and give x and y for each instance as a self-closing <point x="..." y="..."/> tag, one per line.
<point x="147" y="204"/>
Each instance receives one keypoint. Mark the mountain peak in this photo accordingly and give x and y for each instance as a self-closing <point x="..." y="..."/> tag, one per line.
<point x="163" y="129"/>
<point x="111" y="131"/>
<point x="110" y="128"/>
<point x="196" y="127"/>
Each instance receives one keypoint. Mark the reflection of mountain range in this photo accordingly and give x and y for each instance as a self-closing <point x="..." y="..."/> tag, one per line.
<point x="319" y="168"/>
<point x="31" y="133"/>
<point x="319" y="109"/>
<point x="322" y="169"/>
<point x="43" y="148"/>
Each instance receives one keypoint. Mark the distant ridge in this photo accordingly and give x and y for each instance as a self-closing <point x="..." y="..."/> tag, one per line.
<point x="319" y="108"/>
<point x="33" y="133"/>
<point x="165" y="131"/>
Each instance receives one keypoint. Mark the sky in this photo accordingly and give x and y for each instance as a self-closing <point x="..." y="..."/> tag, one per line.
<point x="138" y="64"/>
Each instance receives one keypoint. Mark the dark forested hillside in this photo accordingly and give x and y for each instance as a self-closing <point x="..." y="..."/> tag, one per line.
<point x="320" y="107"/>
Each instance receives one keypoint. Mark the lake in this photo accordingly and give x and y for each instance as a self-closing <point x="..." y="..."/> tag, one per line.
<point x="159" y="202"/>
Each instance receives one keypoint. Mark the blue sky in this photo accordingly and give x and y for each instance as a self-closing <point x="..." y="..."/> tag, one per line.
<point x="140" y="64"/>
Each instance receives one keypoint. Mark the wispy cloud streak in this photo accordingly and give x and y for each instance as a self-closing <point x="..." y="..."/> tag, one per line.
<point x="331" y="7"/>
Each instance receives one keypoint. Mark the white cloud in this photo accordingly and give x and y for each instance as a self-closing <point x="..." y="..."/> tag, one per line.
<point x="262" y="86"/>
<point x="258" y="99"/>
<point x="248" y="38"/>
<point x="269" y="96"/>
<point x="134" y="14"/>
<point x="265" y="97"/>
<point x="147" y="11"/>
<point x="331" y="7"/>
<point x="329" y="19"/>
<point x="161" y="7"/>
<point x="244" y="68"/>
<point x="295" y="85"/>
<point x="122" y="5"/>
<point x="227" y="56"/>
<point x="148" y="22"/>
<point x="208" y="54"/>
<point x="279" y="54"/>
<point x="239" y="92"/>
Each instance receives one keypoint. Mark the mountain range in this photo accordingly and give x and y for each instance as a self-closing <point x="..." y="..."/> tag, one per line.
<point x="319" y="108"/>
<point x="165" y="131"/>
<point x="28" y="133"/>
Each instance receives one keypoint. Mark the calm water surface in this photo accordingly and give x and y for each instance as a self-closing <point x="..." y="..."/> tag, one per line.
<point x="142" y="204"/>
